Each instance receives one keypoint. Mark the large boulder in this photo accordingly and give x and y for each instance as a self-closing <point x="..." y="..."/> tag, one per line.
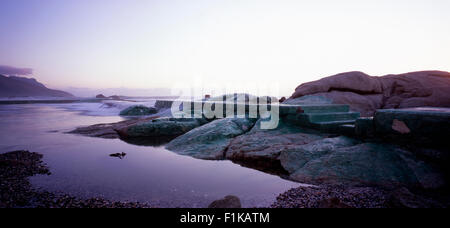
<point x="210" y="141"/>
<point x="138" y="110"/>
<point x="345" y="161"/>
<point x="366" y="93"/>
<point x="161" y="127"/>
<point x="264" y="146"/>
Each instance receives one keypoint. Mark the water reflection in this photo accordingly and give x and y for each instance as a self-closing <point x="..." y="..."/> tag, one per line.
<point x="82" y="166"/>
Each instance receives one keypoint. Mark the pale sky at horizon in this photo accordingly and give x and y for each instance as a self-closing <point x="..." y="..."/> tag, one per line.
<point x="154" y="44"/>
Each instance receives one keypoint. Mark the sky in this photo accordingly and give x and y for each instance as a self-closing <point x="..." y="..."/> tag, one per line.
<point x="268" y="45"/>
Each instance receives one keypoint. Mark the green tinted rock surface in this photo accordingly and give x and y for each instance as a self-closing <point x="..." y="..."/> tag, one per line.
<point x="161" y="127"/>
<point x="211" y="140"/>
<point x="138" y="110"/>
<point x="343" y="160"/>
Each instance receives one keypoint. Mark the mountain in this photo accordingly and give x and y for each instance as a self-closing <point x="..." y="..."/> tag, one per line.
<point x="14" y="86"/>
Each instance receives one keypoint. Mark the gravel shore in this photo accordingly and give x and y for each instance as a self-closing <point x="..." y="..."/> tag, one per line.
<point x="17" y="192"/>
<point x="359" y="197"/>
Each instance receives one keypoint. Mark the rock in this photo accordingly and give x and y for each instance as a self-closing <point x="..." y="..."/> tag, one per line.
<point x="265" y="146"/>
<point x="359" y="197"/>
<point x="162" y="104"/>
<point x="295" y="158"/>
<point x="344" y="161"/>
<point x="364" y="127"/>
<point x="400" y="127"/>
<point x="118" y="155"/>
<point x="332" y="197"/>
<point x="108" y="130"/>
<point x="283" y="99"/>
<point x="210" y="141"/>
<point x="366" y="93"/>
<point x="138" y="110"/>
<point x="161" y="127"/>
<point x="227" y="202"/>
<point x="101" y="96"/>
<point x="308" y="99"/>
<point x="417" y="125"/>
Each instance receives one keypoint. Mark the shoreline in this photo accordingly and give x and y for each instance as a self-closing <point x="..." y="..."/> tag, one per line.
<point x="17" y="192"/>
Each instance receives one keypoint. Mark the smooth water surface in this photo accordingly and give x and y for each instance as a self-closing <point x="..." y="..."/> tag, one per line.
<point x="81" y="165"/>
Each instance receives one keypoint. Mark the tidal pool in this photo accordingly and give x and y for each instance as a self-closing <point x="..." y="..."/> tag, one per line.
<point x="81" y="166"/>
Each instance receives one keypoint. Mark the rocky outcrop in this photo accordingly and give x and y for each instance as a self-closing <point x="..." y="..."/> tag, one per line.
<point x="108" y="130"/>
<point x="138" y="110"/>
<point x="366" y="93"/>
<point x="210" y="141"/>
<point x="308" y="156"/>
<point x="162" y="127"/>
<point x="264" y="146"/>
<point x="418" y="125"/>
<point x="343" y="160"/>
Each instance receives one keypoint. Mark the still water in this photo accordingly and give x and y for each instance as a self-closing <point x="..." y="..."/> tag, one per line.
<point x="81" y="166"/>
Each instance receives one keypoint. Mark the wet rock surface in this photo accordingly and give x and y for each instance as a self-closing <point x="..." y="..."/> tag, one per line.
<point x="138" y="110"/>
<point x="210" y="141"/>
<point x="343" y="160"/>
<point x="160" y="127"/>
<point x="265" y="146"/>
<point x="17" y="192"/>
<point x="108" y="130"/>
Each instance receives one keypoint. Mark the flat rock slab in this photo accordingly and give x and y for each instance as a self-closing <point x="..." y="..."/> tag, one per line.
<point x="107" y="130"/>
<point x="162" y="127"/>
<point x="428" y="125"/>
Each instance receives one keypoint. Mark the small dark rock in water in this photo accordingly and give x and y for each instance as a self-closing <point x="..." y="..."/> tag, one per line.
<point x="227" y="202"/>
<point x="100" y="96"/>
<point x="283" y="99"/>
<point x="118" y="155"/>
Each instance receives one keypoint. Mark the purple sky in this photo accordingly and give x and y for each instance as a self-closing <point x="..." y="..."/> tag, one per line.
<point x="220" y="43"/>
